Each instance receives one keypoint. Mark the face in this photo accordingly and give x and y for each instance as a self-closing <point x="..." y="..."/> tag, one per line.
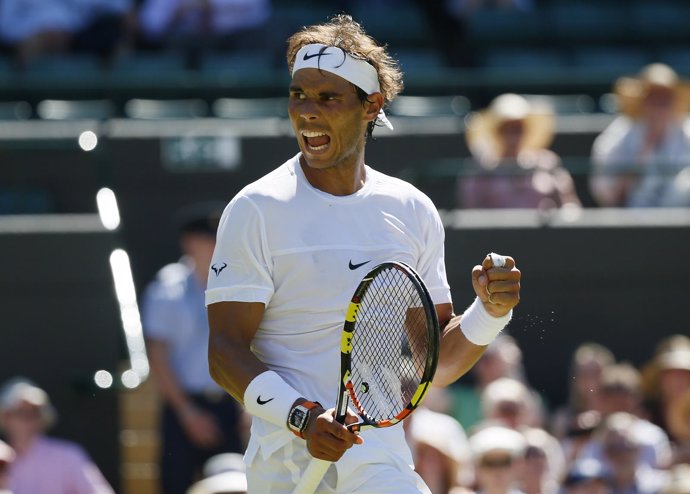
<point x="496" y="471"/>
<point x="328" y="118"/>
<point x="510" y="134"/>
<point x="658" y="105"/>
<point x="199" y="246"/>
<point x="24" y="420"/>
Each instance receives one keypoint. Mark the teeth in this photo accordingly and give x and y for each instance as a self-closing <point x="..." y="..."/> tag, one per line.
<point x="312" y="133"/>
<point x="318" y="148"/>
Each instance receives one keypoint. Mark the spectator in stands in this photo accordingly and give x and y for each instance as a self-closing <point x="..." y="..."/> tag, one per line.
<point x="43" y="464"/>
<point x="502" y="358"/>
<point x="584" y="380"/>
<point x="106" y="28"/>
<point x="667" y="388"/>
<point x="6" y="458"/>
<point x="513" y="167"/>
<point x="641" y="159"/>
<point x="441" y="451"/>
<point x="33" y="28"/>
<point x="497" y="453"/>
<point x="199" y="419"/>
<point x="37" y="28"/>
<point x="538" y="475"/>
<point x="450" y="23"/>
<point x="621" y="450"/>
<point x="621" y="391"/>
<point x="223" y="474"/>
<point x="512" y="404"/>
<point x="587" y="477"/>
<point x="679" y="482"/>
<point x="197" y="25"/>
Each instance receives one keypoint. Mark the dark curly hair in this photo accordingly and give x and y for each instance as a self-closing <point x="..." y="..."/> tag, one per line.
<point x="343" y="32"/>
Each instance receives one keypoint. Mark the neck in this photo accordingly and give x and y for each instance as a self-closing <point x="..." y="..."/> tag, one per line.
<point x="342" y="179"/>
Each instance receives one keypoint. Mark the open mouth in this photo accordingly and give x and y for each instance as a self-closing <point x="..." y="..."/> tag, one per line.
<point x="315" y="141"/>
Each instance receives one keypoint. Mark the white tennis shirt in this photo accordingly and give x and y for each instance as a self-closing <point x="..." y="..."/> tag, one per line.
<point x="302" y="252"/>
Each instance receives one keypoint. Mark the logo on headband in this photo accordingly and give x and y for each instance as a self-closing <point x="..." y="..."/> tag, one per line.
<point x="320" y="54"/>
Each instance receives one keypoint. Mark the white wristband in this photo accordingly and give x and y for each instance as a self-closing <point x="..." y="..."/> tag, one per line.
<point x="480" y="327"/>
<point x="269" y="397"/>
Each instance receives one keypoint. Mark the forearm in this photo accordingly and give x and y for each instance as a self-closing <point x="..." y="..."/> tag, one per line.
<point x="457" y="356"/>
<point x="232" y="365"/>
<point x="166" y="381"/>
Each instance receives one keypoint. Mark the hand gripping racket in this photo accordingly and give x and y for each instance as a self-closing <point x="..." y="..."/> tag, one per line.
<point x="389" y="351"/>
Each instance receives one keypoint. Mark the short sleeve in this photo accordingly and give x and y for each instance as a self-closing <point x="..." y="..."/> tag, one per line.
<point x="241" y="268"/>
<point x="432" y="264"/>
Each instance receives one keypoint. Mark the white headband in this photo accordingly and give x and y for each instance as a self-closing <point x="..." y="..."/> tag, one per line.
<point x="337" y="61"/>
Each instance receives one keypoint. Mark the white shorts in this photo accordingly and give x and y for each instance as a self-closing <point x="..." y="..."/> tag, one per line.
<point x="282" y="470"/>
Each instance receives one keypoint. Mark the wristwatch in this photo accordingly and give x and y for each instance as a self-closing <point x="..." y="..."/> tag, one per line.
<point x="298" y="418"/>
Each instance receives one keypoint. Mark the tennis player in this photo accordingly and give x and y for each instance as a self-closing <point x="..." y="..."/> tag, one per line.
<point x="291" y="249"/>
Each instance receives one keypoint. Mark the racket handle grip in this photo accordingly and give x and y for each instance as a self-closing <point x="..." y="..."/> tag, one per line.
<point x="312" y="476"/>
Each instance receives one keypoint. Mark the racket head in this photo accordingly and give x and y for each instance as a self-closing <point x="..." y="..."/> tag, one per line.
<point x="389" y="347"/>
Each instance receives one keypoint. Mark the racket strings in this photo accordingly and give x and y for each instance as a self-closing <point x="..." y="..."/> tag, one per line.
<point x="389" y="346"/>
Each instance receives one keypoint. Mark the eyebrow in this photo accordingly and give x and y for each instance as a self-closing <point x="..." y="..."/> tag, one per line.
<point x="298" y="89"/>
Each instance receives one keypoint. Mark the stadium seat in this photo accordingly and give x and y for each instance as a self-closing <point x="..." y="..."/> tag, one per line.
<point x="617" y="59"/>
<point x="249" y="107"/>
<point x="536" y="58"/>
<point x="588" y="22"/>
<point x="660" y="21"/>
<point x="563" y="104"/>
<point x="152" y="109"/>
<point x="429" y="106"/>
<point x="75" y="110"/>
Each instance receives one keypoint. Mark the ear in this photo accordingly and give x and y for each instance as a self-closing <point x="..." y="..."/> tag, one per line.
<point x="373" y="106"/>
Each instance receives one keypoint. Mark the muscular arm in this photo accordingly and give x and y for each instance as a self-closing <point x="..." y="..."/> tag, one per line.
<point x="232" y="327"/>
<point x="458" y="354"/>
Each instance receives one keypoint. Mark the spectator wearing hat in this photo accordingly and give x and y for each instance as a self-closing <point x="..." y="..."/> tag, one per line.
<point x="512" y="404"/>
<point x="223" y="474"/>
<point x="198" y="419"/>
<point x="541" y="474"/>
<point x="642" y="158"/>
<point x="667" y="388"/>
<point x="43" y="464"/>
<point x="497" y="454"/>
<point x="587" y="476"/>
<point x="6" y="458"/>
<point x="441" y="451"/>
<point x="513" y="166"/>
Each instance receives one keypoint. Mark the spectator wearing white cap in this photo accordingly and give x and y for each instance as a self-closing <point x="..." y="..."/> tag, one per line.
<point x="497" y="452"/>
<point x="223" y="474"/>
<point x="43" y="464"/>
<point x="442" y="455"/>
<point x="510" y="403"/>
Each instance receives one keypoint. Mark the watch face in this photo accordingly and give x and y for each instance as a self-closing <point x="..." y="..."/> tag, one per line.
<point x="299" y="417"/>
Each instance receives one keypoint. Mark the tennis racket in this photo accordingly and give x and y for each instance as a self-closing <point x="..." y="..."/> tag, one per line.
<point x="389" y="351"/>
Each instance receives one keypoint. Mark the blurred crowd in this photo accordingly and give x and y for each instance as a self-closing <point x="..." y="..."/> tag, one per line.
<point x="31" y="29"/>
<point x="624" y="429"/>
<point x="641" y="159"/>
